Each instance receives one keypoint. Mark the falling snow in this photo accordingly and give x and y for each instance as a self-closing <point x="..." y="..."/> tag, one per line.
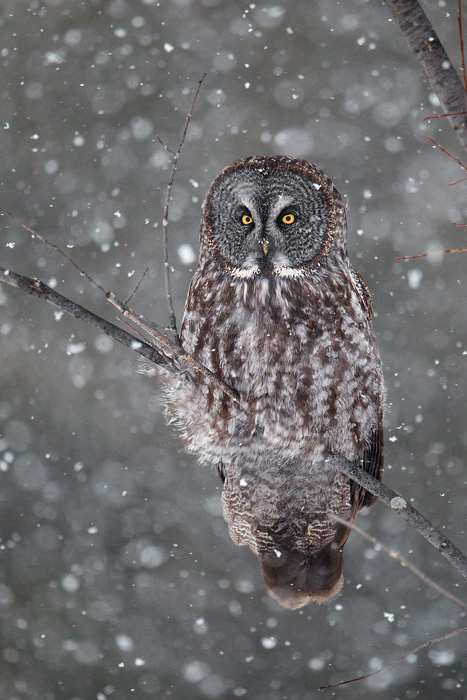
<point x="117" y="575"/>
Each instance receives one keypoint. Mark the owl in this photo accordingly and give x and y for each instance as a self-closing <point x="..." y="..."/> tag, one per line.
<point x="277" y="312"/>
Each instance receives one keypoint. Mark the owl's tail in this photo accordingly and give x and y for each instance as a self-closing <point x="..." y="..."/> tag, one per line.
<point x="294" y="580"/>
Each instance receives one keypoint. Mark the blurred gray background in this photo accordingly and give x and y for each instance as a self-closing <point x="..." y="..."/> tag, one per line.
<point x="118" y="578"/>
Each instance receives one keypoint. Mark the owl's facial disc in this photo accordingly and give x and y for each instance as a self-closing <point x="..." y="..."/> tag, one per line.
<point x="266" y="229"/>
<point x="270" y="216"/>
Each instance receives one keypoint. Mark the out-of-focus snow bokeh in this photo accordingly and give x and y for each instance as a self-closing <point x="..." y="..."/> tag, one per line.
<point x="118" y="578"/>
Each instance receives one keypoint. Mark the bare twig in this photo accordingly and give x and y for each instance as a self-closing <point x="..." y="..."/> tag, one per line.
<point x="440" y="73"/>
<point x="42" y="238"/>
<point x="138" y="285"/>
<point x="42" y="291"/>
<point x="403" y="561"/>
<point x="447" y="153"/>
<point x="437" y="252"/>
<point x="163" y="352"/>
<point x="451" y="184"/>
<point x="456" y="160"/>
<point x="166" y="346"/>
<point x="400" y="506"/>
<point x="441" y="116"/>
<point x="165" y="220"/>
<point x="393" y="663"/>
<point x="172" y="349"/>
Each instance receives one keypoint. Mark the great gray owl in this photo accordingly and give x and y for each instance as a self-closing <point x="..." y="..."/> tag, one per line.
<point x="276" y="311"/>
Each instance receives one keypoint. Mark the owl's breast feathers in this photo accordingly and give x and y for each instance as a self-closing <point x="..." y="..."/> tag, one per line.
<point x="302" y="355"/>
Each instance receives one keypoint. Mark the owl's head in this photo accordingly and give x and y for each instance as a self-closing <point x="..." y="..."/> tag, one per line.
<point x="272" y="215"/>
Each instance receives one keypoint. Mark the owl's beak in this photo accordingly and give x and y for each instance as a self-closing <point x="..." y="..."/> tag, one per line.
<point x="265" y="245"/>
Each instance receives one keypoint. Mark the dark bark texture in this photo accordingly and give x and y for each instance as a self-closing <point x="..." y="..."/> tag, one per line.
<point x="439" y="71"/>
<point x="399" y="505"/>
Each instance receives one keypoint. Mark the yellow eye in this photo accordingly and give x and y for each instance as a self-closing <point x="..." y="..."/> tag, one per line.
<point x="246" y="220"/>
<point x="288" y="219"/>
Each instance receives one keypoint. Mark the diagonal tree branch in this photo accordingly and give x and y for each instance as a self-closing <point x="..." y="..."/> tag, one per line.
<point x="42" y="291"/>
<point x="400" y="506"/>
<point x="449" y="635"/>
<point x="403" y="561"/>
<point x="439" y="71"/>
<point x="164" y="352"/>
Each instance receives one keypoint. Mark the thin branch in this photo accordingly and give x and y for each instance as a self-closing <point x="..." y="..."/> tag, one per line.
<point x="147" y="326"/>
<point x="441" y="116"/>
<point x="393" y="663"/>
<point x="400" y="506"/>
<point x="437" y="252"/>
<point x="166" y="346"/>
<point x="176" y="352"/>
<point x="440" y="73"/>
<point x="447" y="153"/>
<point x="42" y="291"/>
<point x="42" y="238"/>
<point x="461" y="41"/>
<point x="138" y="285"/>
<point x="451" y="250"/>
<point x="403" y="561"/>
<point x="166" y="354"/>
<point x="451" y="184"/>
<point x="165" y="219"/>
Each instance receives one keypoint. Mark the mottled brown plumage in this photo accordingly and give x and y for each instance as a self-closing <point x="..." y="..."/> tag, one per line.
<point x="276" y="310"/>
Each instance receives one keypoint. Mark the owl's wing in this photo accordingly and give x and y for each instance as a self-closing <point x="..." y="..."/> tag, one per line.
<point x="362" y="291"/>
<point x="372" y="462"/>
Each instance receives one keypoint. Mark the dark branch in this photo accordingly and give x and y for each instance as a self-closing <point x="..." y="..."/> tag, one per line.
<point x="400" y="506"/>
<point x="172" y="349"/>
<point x="436" y="252"/>
<point x="42" y="291"/>
<point x="165" y="220"/>
<point x="449" y="635"/>
<point x="138" y="285"/>
<point x="166" y="354"/>
<point x="440" y="73"/>
<point x="169" y="349"/>
<point x="404" y="562"/>
<point x="461" y="41"/>
<point x="45" y="240"/>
